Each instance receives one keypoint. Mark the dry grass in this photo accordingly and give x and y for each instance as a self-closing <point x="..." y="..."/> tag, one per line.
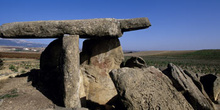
<point x="18" y="65"/>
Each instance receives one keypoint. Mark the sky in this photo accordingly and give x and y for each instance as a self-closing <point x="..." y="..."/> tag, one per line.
<point x="176" y="24"/>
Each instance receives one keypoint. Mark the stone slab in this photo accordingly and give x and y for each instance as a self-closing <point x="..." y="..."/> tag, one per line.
<point x="87" y="28"/>
<point x="71" y="70"/>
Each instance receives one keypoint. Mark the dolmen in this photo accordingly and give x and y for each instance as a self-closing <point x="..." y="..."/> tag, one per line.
<point x="69" y="77"/>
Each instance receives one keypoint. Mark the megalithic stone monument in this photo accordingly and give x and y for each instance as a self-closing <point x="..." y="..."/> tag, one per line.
<point x="95" y="63"/>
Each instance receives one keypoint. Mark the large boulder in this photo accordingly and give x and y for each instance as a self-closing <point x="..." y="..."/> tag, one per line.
<point x="98" y="58"/>
<point x="147" y="89"/>
<point x="185" y="84"/>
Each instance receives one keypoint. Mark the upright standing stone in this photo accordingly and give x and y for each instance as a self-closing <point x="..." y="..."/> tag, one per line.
<point x="71" y="70"/>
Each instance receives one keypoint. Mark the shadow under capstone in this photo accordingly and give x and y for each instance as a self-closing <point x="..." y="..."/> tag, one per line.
<point x="50" y="84"/>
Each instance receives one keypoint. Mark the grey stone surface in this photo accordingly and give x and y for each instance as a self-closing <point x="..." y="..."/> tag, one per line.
<point x="89" y="28"/>
<point x="196" y="80"/>
<point x="98" y="58"/>
<point x="185" y="84"/>
<point x="71" y="70"/>
<point x="147" y="89"/>
<point x="134" y="24"/>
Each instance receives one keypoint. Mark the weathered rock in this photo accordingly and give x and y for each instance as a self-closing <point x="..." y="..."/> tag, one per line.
<point x="89" y="28"/>
<point x="71" y="70"/>
<point x="98" y="58"/>
<point x="196" y="80"/>
<point x="135" y="62"/>
<point x="147" y="89"/>
<point x="134" y="24"/>
<point x="185" y="84"/>
<point x="212" y="85"/>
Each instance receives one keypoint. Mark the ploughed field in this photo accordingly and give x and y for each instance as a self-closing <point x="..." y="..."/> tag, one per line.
<point x="28" y="55"/>
<point x="200" y="61"/>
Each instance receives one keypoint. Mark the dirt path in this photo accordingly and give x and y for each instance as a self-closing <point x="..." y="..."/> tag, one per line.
<point x="21" y="95"/>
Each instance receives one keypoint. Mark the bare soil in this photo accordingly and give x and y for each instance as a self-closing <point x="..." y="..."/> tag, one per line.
<point x="30" y="55"/>
<point x="19" y="94"/>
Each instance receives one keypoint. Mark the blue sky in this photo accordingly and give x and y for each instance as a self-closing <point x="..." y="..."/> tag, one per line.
<point x="176" y="24"/>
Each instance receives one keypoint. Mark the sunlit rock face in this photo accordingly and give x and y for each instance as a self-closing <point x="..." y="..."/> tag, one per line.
<point x="98" y="58"/>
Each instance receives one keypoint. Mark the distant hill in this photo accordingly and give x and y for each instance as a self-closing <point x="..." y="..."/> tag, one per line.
<point x="20" y="43"/>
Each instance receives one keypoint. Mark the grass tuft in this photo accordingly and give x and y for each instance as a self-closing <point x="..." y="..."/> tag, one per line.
<point x="11" y="94"/>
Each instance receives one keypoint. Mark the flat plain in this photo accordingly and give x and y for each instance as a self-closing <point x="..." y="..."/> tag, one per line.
<point x="197" y="61"/>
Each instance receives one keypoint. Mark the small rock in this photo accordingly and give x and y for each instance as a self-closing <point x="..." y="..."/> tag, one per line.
<point x="135" y="62"/>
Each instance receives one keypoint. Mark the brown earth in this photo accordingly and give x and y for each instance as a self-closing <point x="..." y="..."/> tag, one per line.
<point x="30" y="55"/>
<point x="21" y="95"/>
